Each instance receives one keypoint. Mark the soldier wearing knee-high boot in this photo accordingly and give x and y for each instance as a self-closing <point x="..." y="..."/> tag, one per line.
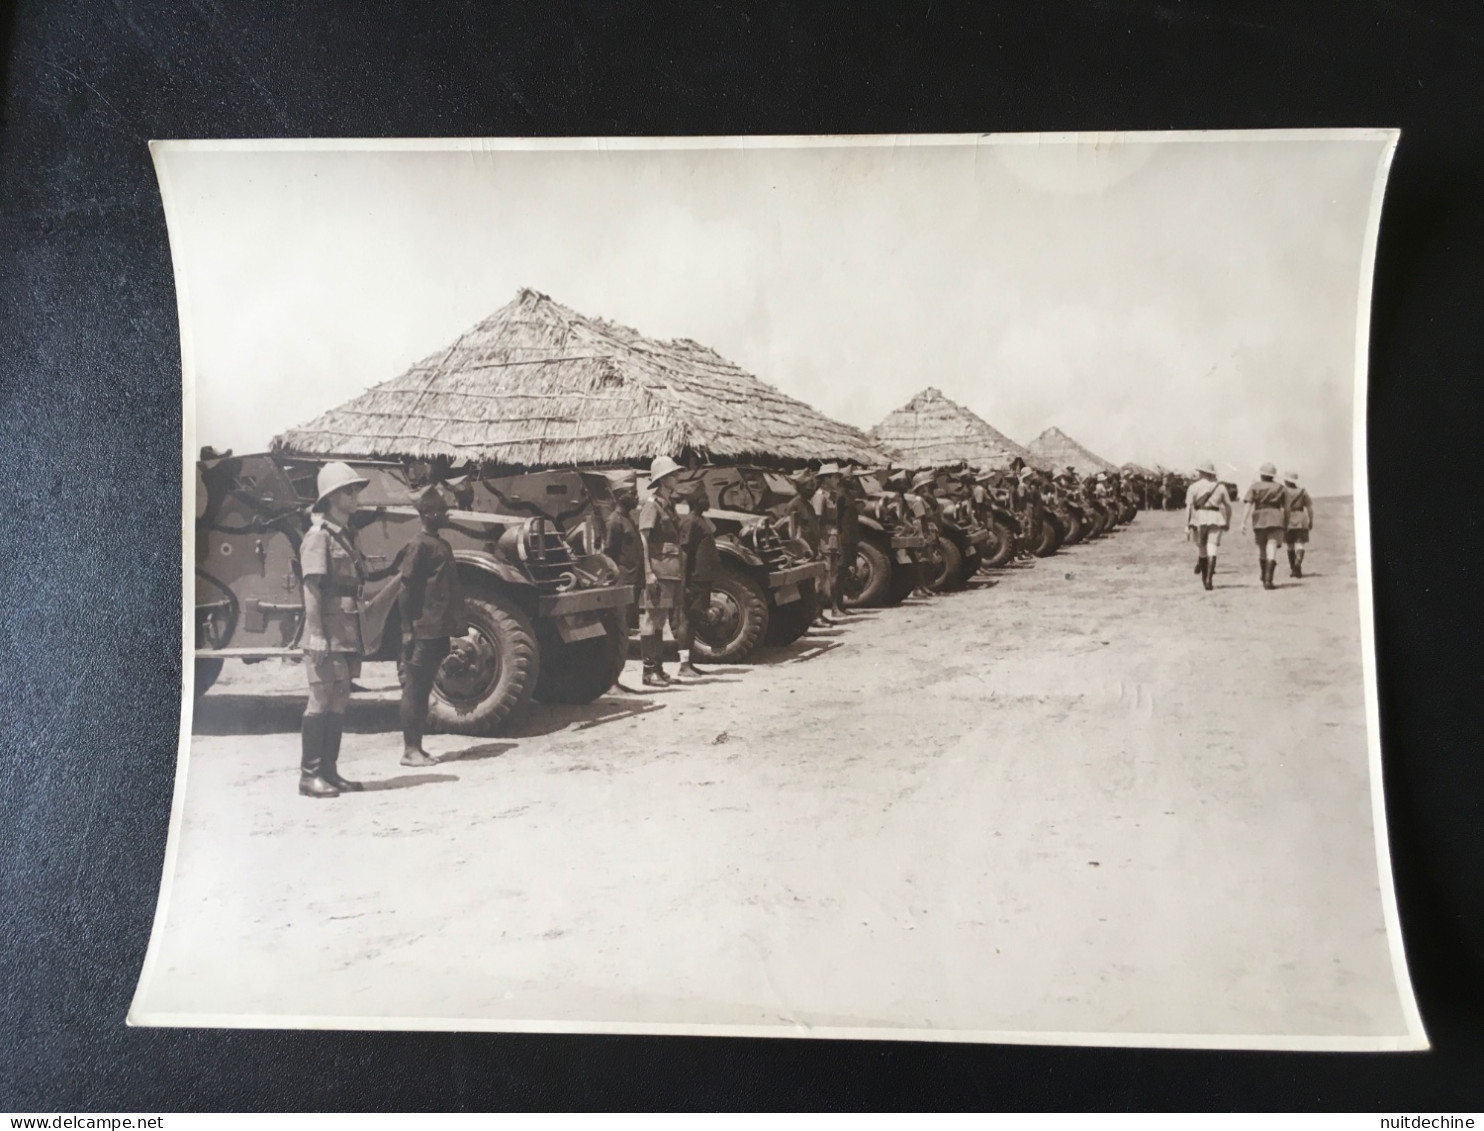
<point x="333" y="571"/>
<point x="1267" y="515"/>
<point x="1207" y="514"/>
<point x="663" y="569"/>
<point x="1300" y="522"/>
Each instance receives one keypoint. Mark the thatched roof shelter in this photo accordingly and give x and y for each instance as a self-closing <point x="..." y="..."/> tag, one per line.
<point x="1132" y="468"/>
<point x="930" y="430"/>
<point x="1058" y="448"/>
<point x="539" y="385"/>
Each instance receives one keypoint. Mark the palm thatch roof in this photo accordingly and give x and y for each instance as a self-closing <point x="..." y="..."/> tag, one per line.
<point x="538" y="385"/>
<point x="1132" y="468"/>
<point x="931" y="430"/>
<point x="1061" y="450"/>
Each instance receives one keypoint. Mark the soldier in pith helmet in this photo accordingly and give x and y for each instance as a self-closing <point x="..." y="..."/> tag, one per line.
<point x="1267" y="514"/>
<point x="664" y="569"/>
<point x="333" y="571"/>
<point x="1300" y="522"/>
<point x="1207" y="513"/>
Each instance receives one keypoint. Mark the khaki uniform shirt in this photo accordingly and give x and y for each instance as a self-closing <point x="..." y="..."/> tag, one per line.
<point x="1268" y="509"/>
<point x="330" y="552"/>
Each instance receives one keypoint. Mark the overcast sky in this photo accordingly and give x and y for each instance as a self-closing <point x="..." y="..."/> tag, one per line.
<point x="1159" y="301"/>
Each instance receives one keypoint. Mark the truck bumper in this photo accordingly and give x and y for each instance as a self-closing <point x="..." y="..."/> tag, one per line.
<point x="585" y="601"/>
<point x="784" y="583"/>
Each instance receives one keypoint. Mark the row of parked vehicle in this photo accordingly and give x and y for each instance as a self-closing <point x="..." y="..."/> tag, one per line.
<point x="549" y="618"/>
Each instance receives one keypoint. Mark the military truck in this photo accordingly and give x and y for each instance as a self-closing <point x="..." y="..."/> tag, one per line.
<point x="545" y="624"/>
<point x="892" y="542"/>
<point x="770" y="584"/>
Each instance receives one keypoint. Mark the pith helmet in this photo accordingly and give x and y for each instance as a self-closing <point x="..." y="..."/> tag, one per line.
<point x="333" y="477"/>
<point x="1208" y="467"/>
<point x="661" y="467"/>
<point x="1268" y="470"/>
<point x="923" y="478"/>
<point x="1027" y="472"/>
<point x="831" y="468"/>
<point x="1291" y="478"/>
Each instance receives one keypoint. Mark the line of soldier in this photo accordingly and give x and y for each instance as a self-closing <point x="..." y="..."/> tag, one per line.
<point x="1280" y="515"/>
<point x="668" y="555"/>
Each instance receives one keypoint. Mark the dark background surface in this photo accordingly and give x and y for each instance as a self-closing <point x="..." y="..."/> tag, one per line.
<point x="90" y="473"/>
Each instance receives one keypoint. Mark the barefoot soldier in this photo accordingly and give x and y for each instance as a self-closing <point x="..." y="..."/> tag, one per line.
<point x="830" y="503"/>
<point x="431" y="605"/>
<point x="621" y="541"/>
<point x="1266" y="513"/>
<point x="333" y="571"/>
<point x="1300" y="522"/>
<point x="702" y="564"/>
<point x="663" y="570"/>
<point x="1207" y="513"/>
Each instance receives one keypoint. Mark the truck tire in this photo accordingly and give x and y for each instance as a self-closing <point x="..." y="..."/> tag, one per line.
<point x="903" y="580"/>
<point x="948" y="567"/>
<point x="786" y="623"/>
<point x="206" y="673"/>
<point x="585" y="669"/>
<point x="1000" y="549"/>
<point x="869" y="582"/>
<point x="1076" y="529"/>
<point x="737" y="621"/>
<point x="1050" y="538"/>
<point x="485" y="685"/>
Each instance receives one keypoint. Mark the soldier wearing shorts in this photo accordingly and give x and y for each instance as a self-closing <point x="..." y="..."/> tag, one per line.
<point x="1208" y="512"/>
<point x="664" y="570"/>
<point x="1267" y="514"/>
<point x="702" y="564"/>
<point x="1300" y="522"/>
<point x="333" y="571"/>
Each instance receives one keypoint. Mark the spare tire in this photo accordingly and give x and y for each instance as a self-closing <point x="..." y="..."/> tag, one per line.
<point x="486" y="683"/>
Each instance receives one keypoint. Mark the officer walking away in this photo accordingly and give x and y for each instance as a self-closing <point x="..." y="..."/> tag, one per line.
<point x="1208" y="512"/>
<point x="333" y="571"/>
<point x="1300" y="522"/>
<point x="702" y="564"/>
<point x="432" y="613"/>
<point x="1266" y="513"/>
<point x="663" y="570"/>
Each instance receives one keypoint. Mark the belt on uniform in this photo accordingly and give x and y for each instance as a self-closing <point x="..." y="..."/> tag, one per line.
<point x="342" y="589"/>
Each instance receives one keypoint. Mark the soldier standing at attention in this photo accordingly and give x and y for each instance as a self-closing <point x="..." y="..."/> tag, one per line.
<point x="1208" y="512"/>
<point x="663" y="570"/>
<point x="431" y="604"/>
<point x="1266" y="514"/>
<point x="1300" y="522"/>
<point x="333" y="571"/>
<point x="827" y="503"/>
<point x="847" y="490"/>
<point x="702" y="564"/>
<point x="621" y="541"/>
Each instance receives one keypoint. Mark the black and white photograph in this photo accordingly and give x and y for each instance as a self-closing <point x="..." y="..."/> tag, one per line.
<point x="901" y="587"/>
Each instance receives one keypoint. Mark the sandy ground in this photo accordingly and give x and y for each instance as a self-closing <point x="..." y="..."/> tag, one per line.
<point x="1088" y="796"/>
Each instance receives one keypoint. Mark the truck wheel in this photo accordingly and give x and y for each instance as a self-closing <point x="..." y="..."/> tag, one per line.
<point x="583" y="670"/>
<point x="1076" y="530"/>
<point x="948" y="568"/>
<point x="869" y="580"/>
<point x="736" y="621"/>
<point x="206" y="673"/>
<point x="1000" y="548"/>
<point x="903" y="580"/>
<point x="485" y="685"/>
<point x="1050" y="538"/>
<point x="786" y="623"/>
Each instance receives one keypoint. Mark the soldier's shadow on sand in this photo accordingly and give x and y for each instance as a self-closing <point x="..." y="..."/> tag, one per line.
<point x="801" y="650"/>
<point x="221" y="714"/>
<point x="479" y="753"/>
<point x="406" y="781"/>
<point x="610" y="709"/>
